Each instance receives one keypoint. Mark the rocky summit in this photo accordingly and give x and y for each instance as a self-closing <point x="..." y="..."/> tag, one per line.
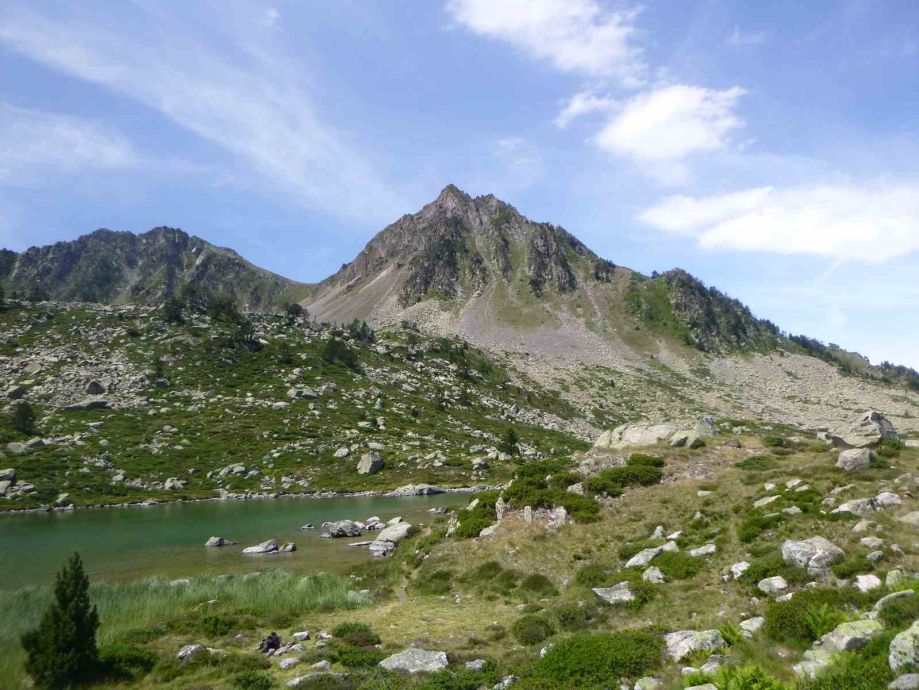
<point x="657" y="489"/>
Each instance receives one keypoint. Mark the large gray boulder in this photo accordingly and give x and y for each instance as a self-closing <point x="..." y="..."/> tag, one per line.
<point x="643" y="558"/>
<point x="904" y="648"/>
<point x="416" y="490"/>
<point x="851" y="636"/>
<point x="686" y="439"/>
<point x="869" y="430"/>
<point x="416" y="661"/>
<point x="92" y="403"/>
<point x="342" y="528"/>
<point x="370" y="463"/>
<point x="684" y="642"/>
<point x="628" y="435"/>
<point x="395" y="533"/>
<point x="270" y="546"/>
<point x="815" y="554"/>
<point x="910" y="681"/>
<point x="855" y="459"/>
<point x="8" y="474"/>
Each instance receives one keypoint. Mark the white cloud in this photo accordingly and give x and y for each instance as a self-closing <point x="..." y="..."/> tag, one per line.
<point x="584" y="103"/>
<point x="870" y="223"/>
<point x="739" y="39"/>
<point x="33" y="141"/>
<point x="574" y="35"/>
<point x="660" y="129"/>
<point x="243" y="97"/>
<point x="271" y="17"/>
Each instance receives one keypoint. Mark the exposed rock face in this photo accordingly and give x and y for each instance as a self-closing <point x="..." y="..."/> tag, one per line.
<point x="851" y="636"/>
<point x="904" y="648"/>
<point x="628" y="435"/>
<point x="871" y="429"/>
<point x="416" y="661"/>
<point x="395" y="533"/>
<point x="342" y="528"/>
<point x="107" y="266"/>
<point x="815" y="554"/>
<point x="617" y="594"/>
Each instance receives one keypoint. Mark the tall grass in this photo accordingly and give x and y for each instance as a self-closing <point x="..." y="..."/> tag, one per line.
<point x="136" y="605"/>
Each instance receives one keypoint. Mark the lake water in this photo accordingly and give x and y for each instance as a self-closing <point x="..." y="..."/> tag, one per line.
<point x="128" y="543"/>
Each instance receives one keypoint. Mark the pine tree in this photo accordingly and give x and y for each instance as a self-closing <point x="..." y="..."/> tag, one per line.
<point x="509" y="441"/>
<point x="62" y="651"/>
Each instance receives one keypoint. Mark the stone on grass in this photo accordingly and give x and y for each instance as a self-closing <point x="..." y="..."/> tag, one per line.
<point x="395" y="533"/>
<point x="886" y="500"/>
<point x="910" y="518"/>
<point x="739" y="569"/>
<point x="871" y="429"/>
<point x="860" y="506"/>
<point x="686" y="439"/>
<point x="633" y="435"/>
<point x="703" y="550"/>
<point x="765" y="501"/>
<point x="751" y="626"/>
<point x="851" y="636"/>
<point x="865" y="583"/>
<point x="475" y="665"/>
<point x="857" y="459"/>
<point x="908" y="682"/>
<point x="771" y="585"/>
<point x="684" y="642"/>
<point x="815" y="554"/>
<point x="370" y="463"/>
<point x="653" y="575"/>
<point x="416" y="661"/>
<point x="617" y="594"/>
<point x="189" y="651"/>
<point x="642" y="558"/>
<point x="904" y="648"/>
<point x="815" y="660"/>
<point x="288" y="663"/>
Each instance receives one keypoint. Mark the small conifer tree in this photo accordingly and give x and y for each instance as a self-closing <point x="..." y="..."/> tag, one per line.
<point x="24" y="418"/>
<point x="61" y="651"/>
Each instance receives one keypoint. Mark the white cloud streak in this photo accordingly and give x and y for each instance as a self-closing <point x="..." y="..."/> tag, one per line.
<point x="872" y="223"/>
<point x="579" y="36"/>
<point x="33" y="142"/>
<point x="740" y="39"/>
<point x="584" y="103"/>
<point x="249" y="102"/>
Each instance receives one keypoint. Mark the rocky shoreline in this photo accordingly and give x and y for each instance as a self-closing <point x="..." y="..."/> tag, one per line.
<point x="401" y="492"/>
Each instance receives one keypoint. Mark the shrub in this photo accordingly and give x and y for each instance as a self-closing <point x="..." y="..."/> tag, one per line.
<point x="458" y="679"/>
<point x="217" y="626"/>
<point x="878" y="462"/>
<point x="437" y="583"/>
<point x="754" y="525"/>
<point x="646" y="460"/>
<point x="472" y="522"/>
<point x="789" y="619"/>
<point x="539" y="585"/>
<point x="773" y="442"/>
<point x="472" y="527"/>
<point x="591" y="575"/>
<point x="854" y="565"/>
<point x="572" y="617"/>
<point x="122" y="661"/>
<point x="900" y="612"/>
<point x="818" y="448"/>
<point x="757" y="463"/>
<point x="348" y="627"/>
<point x="531" y="630"/>
<point x="361" y="638"/>
<point x="585" y="660"/>
<point x="632" y="475"/>
<point x="731" y="633"/>
<point x="358" y="657"/>
<point x="62" y="649"/>
<point x="678" y="565"/>
<point x="822" y="619"/>
<point x="509" y="441"/>
<point x="253" y="680"/>
<point x="488" y="571"/>
<point x="746" y="678"/>
<point x="771" y="566"/>
<point x="24" y="418"/>
<point x="888" y="449"/>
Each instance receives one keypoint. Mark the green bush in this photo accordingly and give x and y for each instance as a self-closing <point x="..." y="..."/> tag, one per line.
<point x="746" y="678"/>
<point x="889" y="449"/>
<point x="852" y="566"/>
<point x="458" y="679"/>
<point x="589" y="661"/>
<point x="253" y="680"/>
<point x="358" y="657"/>
<point x="530" y="488"/>
<point x="900" y="613"/>
<point x="758" y="463"/>
<point x="631" y="475"/>
<point x="217" y="626"/>
<point x="539" y="585"/>
<point x="437" y="583"/>
<point x="771" y="566"/>
<point x="531" y="630"/>
<point x="773" y="441"/>
<point x="361" y="638"/>
<point x="572" y="617"/>
<point x="754" y="524"/>
<point x="678" y="565"/>
<point x="488" y="571"/>
<point x="472" y="526"/>
<point x="818" y="448"/>
<point x="646" y="460"/>
<point x="788" y="620"/>
<point x="591" y="575"/>
<point x="822" y="619"/>
<point x="472" y="522"/>
<point x="122" y="661"/>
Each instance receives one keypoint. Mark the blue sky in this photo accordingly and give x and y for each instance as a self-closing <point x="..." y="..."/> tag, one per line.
<point x="771" y="149"/>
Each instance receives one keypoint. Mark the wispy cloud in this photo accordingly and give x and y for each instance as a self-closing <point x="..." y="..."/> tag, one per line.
<point x="579" y="36"/>
<point x="271" y="17"/>
<point x="584" y="103"/>
<point x="33" y="142"/>
<point x="739" y="39"/>
<point x="247" y="100"/>
<point x="662" y="128"/>
<point x="871" y="222"/>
